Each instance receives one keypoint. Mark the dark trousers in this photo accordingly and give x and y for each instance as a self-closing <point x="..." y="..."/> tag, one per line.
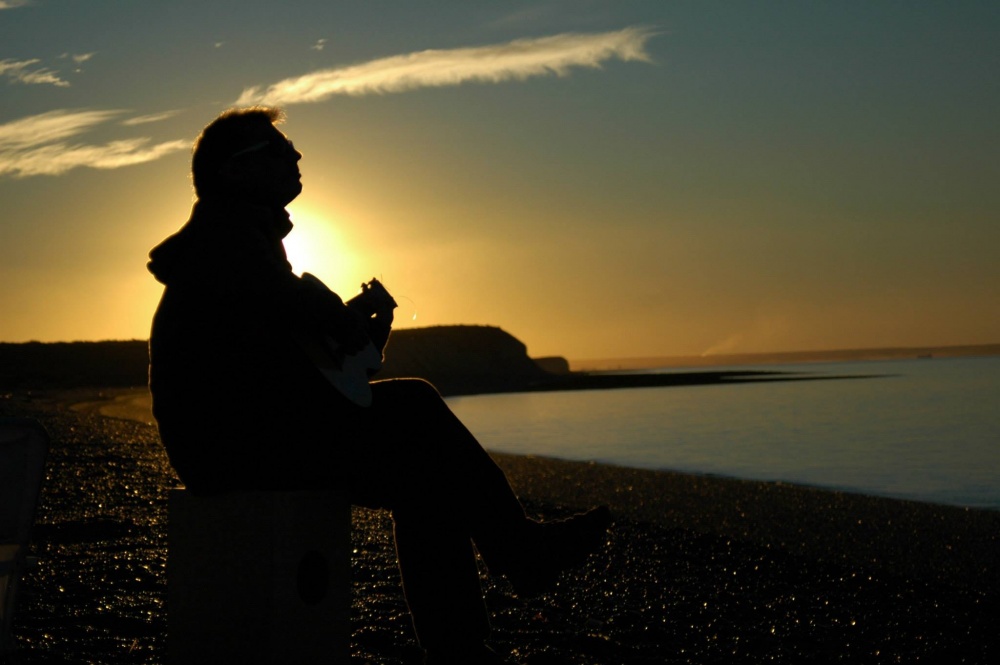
<point x="410" y="454"/>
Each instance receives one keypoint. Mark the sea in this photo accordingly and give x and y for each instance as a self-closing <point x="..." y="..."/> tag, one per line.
<point x="924" y="429"/>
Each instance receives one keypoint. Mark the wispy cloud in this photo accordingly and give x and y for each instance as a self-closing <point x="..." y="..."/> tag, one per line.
<point x="147" y="119"/>
<point x="24" y="71"/>
<point x="50" y="126"/>
<point x="56" y="159"/>
<point x="13" y="4"/>
<point x="516" y="60"/>
<point x="78" y="59"/>
<point x="36" y="145"/>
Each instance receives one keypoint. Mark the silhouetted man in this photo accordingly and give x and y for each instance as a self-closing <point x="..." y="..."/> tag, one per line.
<point x="241" y="403"/>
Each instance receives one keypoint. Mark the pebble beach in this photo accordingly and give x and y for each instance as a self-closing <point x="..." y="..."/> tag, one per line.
<point x="696" y="569"/>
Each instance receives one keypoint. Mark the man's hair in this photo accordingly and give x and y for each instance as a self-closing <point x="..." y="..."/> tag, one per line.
<point x="235" y="129"/>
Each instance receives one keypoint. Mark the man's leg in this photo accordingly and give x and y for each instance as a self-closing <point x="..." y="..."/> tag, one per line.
<point x="441" y="585"/>
<point x="414" y="457"/>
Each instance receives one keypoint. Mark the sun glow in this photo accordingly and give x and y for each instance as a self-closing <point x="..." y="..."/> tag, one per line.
<point x="316" y="246"/>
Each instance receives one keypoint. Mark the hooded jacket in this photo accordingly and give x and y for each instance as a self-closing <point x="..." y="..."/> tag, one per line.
<point x="228" y="380"/>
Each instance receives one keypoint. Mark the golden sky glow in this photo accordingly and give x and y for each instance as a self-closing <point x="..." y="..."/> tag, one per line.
<point x="601" y="179"/>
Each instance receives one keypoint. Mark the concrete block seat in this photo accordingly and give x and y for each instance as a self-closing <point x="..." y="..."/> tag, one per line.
<point x="258" y="577"/>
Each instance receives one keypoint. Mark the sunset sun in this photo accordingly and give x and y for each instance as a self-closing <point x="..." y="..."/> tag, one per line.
<point x="316" y="246"/>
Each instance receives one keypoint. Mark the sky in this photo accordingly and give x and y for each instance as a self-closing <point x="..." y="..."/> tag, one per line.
<point x="599" y="178"/>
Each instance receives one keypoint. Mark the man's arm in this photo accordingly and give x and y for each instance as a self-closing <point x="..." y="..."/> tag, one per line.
<point x="348" y="326"/>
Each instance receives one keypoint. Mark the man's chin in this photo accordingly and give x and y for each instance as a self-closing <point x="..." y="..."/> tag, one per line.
<point x="293" y="193"/>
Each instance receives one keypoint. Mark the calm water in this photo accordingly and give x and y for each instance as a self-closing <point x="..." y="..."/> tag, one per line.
<point x="925" y="429"/>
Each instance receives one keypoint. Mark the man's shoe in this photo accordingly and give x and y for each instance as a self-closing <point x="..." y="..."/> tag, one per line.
<point x="556" y="546"/>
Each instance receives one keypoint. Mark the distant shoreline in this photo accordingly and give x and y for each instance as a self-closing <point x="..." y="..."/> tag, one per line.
<point x="786" y="357"/>
<point x="134" y="403"/>
<point x="458" y="360"/>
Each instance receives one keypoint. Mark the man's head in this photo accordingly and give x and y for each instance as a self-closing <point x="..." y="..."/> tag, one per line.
<point x="242" y="154"/>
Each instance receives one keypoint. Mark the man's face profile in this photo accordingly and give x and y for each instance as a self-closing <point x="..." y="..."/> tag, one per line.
<point x="266" y="170"/>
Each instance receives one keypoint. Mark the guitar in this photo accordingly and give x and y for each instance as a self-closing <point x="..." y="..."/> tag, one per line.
<point x="349" y="372"/>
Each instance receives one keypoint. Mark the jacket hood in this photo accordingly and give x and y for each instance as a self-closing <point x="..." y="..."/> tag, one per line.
<point x="214" y="226"/>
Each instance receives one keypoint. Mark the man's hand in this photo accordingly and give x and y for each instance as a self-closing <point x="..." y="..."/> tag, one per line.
<point x="351" y="332"/>
<point x="374" y="300"/>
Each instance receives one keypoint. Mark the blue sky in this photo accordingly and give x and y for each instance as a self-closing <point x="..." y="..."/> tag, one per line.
<point x="601" y="179"/>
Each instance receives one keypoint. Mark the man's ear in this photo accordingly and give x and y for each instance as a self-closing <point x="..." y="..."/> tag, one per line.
<point x="232" y="171"/>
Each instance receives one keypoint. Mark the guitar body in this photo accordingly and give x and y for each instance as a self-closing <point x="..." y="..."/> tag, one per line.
<point x="348" y="372"/>
<point x="350" y="378"/>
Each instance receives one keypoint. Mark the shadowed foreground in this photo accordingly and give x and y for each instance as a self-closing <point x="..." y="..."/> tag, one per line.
<point x="697" y="569"/>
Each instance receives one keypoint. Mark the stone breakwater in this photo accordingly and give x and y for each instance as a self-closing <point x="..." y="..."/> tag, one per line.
<point x="696" y="570"/>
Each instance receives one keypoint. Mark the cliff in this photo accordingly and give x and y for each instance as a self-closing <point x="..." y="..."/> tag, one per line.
<point x="462" y="359"/>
